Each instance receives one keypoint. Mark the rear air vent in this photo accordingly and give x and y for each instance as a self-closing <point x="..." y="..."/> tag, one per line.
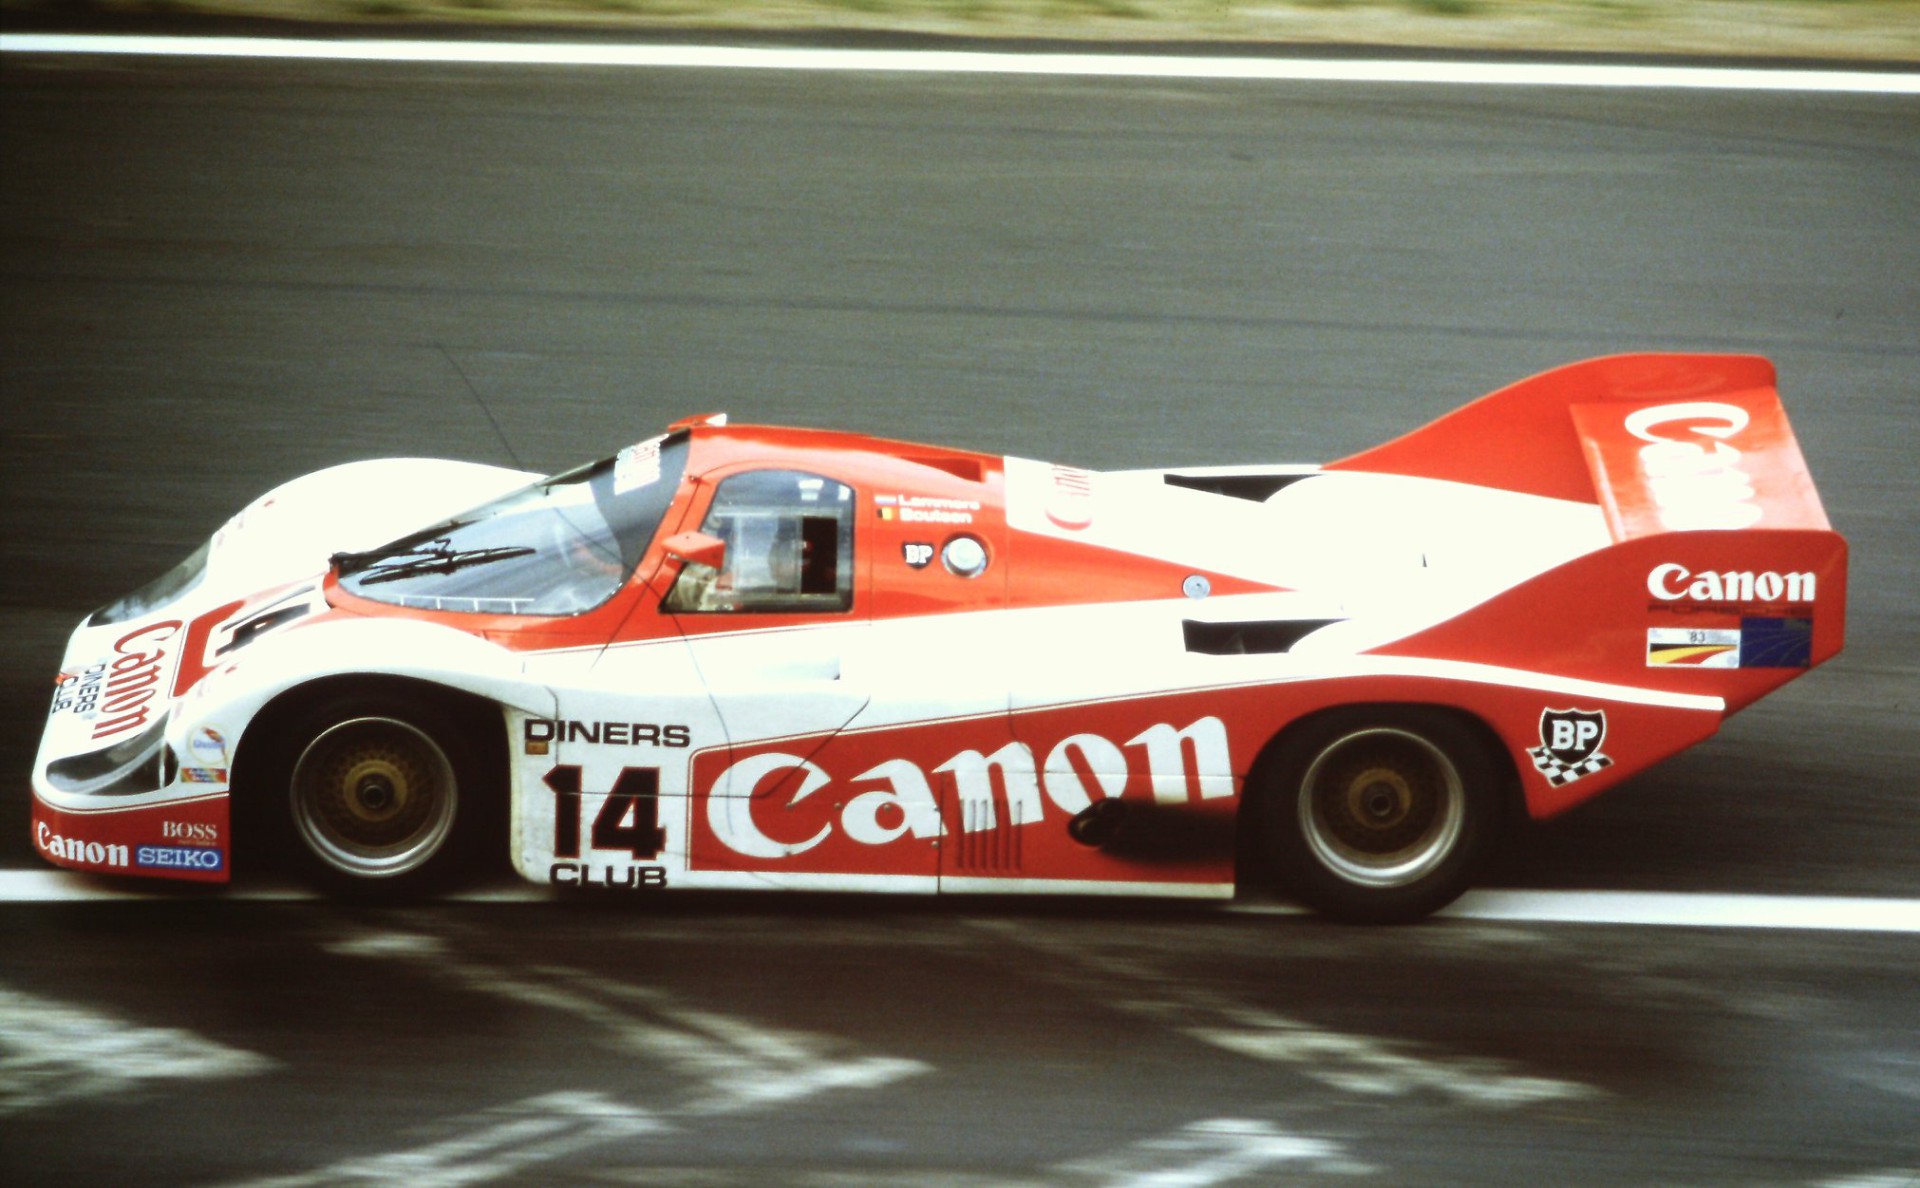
<point x="988" y="841"/>
<point x="1257" y="488"/>
<point x="1245" y="639"/>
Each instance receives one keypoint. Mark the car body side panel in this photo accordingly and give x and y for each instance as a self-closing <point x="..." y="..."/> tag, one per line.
<point x="974" y="787"/>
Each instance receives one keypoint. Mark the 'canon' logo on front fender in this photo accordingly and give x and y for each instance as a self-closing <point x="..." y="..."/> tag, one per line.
<point x="1672" y="583"/>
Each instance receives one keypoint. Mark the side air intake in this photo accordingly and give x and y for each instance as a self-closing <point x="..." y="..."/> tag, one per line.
<point x="1246" y="639"/>
<point x="1256" y="488"/>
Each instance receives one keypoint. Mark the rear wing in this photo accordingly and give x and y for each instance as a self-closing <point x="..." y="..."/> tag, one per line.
<point x="1663" y="443"/>
<point x="1724" y="576"/>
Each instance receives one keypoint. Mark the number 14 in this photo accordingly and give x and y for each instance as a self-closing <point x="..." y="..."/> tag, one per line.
<point x="635" y="795"/>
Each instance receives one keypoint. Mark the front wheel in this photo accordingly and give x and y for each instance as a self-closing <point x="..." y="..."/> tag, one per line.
<point x="382" y="795"/>
<point x="1379" y="816"/>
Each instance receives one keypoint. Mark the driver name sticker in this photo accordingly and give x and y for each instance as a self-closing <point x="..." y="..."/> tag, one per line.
<point x="925" y="509"/>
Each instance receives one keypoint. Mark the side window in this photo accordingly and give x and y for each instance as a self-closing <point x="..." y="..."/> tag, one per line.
<point x="789" y="538"/>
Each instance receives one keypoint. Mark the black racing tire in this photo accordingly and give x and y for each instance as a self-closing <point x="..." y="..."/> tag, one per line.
<point x="1379" y="814"/>
<point x="383" y="795"/>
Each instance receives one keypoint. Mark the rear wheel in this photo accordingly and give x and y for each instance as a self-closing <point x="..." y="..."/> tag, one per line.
<point x="383" y="795"/>
<point x="1379" y="815"/>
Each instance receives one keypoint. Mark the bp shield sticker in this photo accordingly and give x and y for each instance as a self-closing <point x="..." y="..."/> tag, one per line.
<point x="1570" y="745"/>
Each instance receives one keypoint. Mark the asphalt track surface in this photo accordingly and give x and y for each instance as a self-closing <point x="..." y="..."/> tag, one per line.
<point x="222" y="275"/>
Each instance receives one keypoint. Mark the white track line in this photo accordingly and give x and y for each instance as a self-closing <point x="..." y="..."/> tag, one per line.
<point x="1661" y="909"/>
<point x="1696" y="910"/>
<point x="1371" y="70"/>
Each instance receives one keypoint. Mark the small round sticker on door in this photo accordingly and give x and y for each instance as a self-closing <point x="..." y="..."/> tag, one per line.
<point x="964" y="556"/>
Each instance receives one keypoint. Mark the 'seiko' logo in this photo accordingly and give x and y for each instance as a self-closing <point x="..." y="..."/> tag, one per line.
<point x="179" y="857"/>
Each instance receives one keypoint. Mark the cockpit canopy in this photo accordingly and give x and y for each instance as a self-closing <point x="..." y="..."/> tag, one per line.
<point x="561" y="546"/>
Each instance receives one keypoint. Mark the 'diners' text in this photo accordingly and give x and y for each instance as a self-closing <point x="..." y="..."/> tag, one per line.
<point x="611" y="734"/>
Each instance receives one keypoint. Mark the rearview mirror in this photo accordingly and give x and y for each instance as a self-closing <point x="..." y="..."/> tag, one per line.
<point x="698" y="548"/>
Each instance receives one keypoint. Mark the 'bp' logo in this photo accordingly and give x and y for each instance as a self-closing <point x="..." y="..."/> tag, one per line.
<point x="1570" y="745"/>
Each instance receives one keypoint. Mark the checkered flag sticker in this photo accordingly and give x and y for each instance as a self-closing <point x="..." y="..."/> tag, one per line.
<point x="1559" y="773"/>
<point x="1570" y="745"/>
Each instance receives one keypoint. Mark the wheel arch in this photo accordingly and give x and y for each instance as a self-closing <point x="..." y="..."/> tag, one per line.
<point x="266" y="750"/>
<point x="264" y="739"/>
<point x="1508" y="791"/>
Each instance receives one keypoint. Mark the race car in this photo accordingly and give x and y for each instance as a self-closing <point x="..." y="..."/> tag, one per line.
<point x="749" y="657"/>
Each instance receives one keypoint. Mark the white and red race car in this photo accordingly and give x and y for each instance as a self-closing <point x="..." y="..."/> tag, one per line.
<point x="746" y="657"/>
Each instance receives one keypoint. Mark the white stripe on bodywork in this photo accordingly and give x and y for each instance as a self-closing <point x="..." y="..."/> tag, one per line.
<point x="170" y="796"/>
<point x="1516" y="678"/>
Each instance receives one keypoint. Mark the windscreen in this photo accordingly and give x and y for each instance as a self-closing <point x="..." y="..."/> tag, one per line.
<point x="564" y="545"/>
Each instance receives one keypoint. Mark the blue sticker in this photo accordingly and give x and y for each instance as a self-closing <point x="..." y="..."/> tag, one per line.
<point x="179" y="857"/>
<point x="1776" y="643"/>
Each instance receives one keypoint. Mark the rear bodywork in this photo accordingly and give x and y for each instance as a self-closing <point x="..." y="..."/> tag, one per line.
<point x="1014" y="675"/>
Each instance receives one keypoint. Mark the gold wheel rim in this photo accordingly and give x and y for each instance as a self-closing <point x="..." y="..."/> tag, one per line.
<point x="1382" y="807"/>
<point x="373" y="797"/>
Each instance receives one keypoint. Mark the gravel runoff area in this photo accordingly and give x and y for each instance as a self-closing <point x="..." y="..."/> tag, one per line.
<point x="1886" y="31"/>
